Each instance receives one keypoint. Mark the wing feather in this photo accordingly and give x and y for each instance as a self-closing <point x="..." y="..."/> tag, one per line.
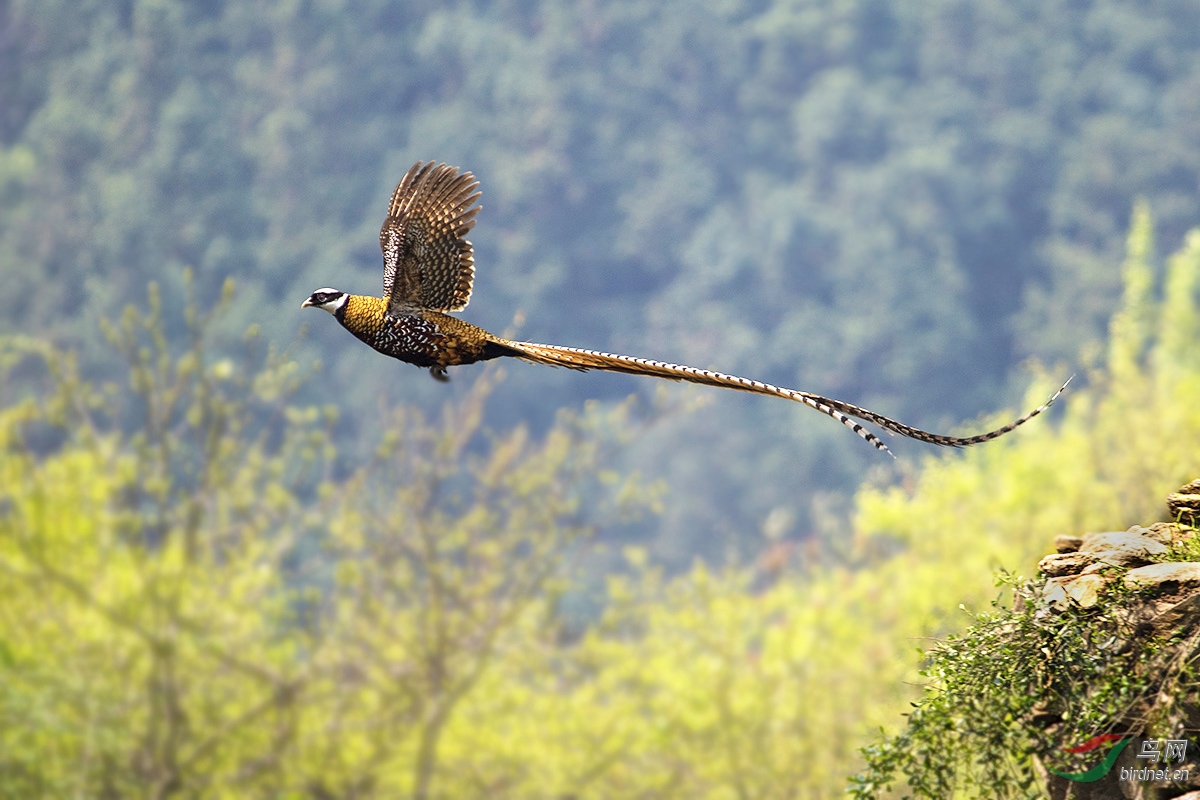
<point x="427" y="262"/>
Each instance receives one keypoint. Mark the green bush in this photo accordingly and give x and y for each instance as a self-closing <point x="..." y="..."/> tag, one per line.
<point x="1126" y="440"/>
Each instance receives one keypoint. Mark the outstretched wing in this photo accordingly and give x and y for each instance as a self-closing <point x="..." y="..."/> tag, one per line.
<point x="426" y="260"/>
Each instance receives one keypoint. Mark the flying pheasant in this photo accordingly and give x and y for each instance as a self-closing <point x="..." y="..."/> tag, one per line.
<point x="428" y="269"/>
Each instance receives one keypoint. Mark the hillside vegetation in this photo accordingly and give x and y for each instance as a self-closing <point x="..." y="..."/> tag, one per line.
<point x="198" y="602"/>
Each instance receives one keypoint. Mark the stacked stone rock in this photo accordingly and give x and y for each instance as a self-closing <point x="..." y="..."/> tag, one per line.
<point x="1081" y="568"/>
<point x="1167" y="608"/>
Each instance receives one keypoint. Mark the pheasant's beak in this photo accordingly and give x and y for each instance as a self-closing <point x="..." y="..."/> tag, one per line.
<point x="308" y="303"/>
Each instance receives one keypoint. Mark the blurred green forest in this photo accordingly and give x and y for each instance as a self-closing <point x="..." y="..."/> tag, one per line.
<point x="239" y="557"/>
<point x="202" y="604"/>
<point x="892" y="203"/>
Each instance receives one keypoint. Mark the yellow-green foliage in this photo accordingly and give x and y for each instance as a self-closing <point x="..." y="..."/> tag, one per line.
<point x="704" y="688"/>
<point x="1125" y="439"/>
<point x="194" y="603"/>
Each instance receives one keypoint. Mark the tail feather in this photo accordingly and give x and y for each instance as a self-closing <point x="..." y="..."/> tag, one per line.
<point x="845" y="413"/>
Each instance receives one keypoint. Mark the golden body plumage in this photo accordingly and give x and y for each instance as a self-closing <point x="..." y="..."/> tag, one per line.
<point x="429" y="268"/>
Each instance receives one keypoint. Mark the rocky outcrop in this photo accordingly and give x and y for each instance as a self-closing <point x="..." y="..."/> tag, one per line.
<point x="1086" y="565"/>
<point x="1159" y="601"/>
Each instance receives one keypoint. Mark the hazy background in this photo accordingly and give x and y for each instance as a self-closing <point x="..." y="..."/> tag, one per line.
<point x="888" y="202"/>
<point x="243" y="555"/>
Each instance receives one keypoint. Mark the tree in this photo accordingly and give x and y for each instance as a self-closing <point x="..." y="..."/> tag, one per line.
<point x="197" y="603"/>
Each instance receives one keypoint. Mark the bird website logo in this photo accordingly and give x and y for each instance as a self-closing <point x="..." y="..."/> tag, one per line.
<point x="1171" y="750"/>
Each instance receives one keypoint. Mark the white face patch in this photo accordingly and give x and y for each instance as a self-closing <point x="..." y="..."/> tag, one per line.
<point x="328" y="299"/>
<point x="333" y="305"/>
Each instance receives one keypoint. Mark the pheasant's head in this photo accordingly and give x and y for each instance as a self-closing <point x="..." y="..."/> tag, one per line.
<point x="332" y="300"/>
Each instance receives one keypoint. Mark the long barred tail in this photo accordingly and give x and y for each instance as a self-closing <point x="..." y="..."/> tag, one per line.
<point x="575" y="358"/>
